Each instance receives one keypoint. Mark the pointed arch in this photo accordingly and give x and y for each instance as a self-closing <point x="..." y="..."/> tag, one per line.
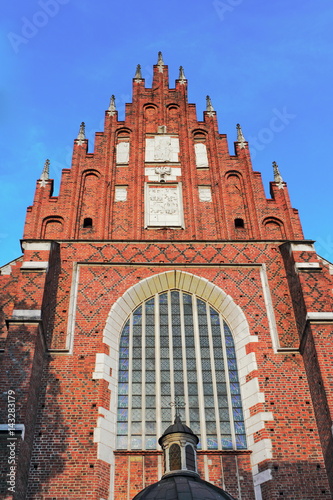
<point x="105" y="434"/>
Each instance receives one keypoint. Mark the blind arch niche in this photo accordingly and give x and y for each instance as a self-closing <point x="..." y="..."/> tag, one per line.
<point x="174" y="345"/>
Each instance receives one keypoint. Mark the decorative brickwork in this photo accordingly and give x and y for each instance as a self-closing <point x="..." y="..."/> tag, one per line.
<point x="162" y="205"/>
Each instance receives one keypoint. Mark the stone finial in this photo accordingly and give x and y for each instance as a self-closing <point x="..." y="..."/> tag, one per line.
<point x="112" y="106"/>
<point x="138" y="74"/>
<point x="45" y="174"/>
<point x="209" y="105"/>
<point x="160" y="62"/>
<point x="182" y="77"/>
<point x="277" y="176"/>
<point x="81" y="135"/>
<point x="160" y="59"/>
<point x="240" y="136"/>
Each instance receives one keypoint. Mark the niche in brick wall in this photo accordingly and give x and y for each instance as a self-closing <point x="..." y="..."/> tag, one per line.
<point x="89" y="204"/>
<point x="150" y="114"/>
<point x="236" y="204"/>
<point x="52" y="228"/>
<point x="200" y="148"/>
<point x="123" y="147"/>
<point x="173" y="118"/>
<point x="274" y="228"/>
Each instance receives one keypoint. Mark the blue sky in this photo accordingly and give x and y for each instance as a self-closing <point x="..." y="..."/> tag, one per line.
<point x="257" y="59"/>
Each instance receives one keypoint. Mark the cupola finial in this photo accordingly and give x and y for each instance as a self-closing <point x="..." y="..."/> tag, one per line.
<point x="178" y="404"/>
<point x="138" y="74"/>
<point x="240" y="136"/>
<point x="112" y="106"/>
<point x="277" y="176"/>
<point x="82" y="134"/>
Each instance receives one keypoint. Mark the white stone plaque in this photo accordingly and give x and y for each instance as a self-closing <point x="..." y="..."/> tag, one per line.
<point x="201" y="155"/>
<point x="205" y="193"/>
<point x="164" y="206"/>
<point x="121" y="193"/>
<point x="122" y="152"/>
<point x="162" y="148"/>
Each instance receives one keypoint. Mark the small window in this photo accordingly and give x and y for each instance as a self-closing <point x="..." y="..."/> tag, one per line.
<point x="190" y="458"/>
<point x="174" y="457"/>
<point x="239" y="223"/>
<point x="87" y="223"/>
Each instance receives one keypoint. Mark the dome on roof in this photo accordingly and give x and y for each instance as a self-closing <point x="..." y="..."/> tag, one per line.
<point x="178" y="426"/>
<point x="182" y="485"/>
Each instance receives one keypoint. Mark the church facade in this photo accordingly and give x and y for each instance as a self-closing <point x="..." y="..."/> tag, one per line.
<point x="161" y="275"/>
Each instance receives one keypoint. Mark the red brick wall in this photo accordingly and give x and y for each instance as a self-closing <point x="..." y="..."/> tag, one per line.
<point x="60" y="402"/>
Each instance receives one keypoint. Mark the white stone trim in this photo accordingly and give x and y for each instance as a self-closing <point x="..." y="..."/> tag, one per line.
<point x="6" y="270"/>
<point x="269" y="308"/>
<point x="122" y="152"/>
<point x="319" y="316"/>
<point x="72" y="308"/>
<point x="303" y="266"/>
<point x="205" y="193"/>
<point x="27" y="314"/>
<point x="302" y="247"/>
<point x="37" y="246"/>
<point x="105" y="431"/>
<point x="201" y="158"/>
<point x="257" y="492"/>
<point x="262" y="477"/>
<point x="120" y="193"/>
<point x="35" y="265"/>
<point x="154" y="177"/>
<point x="261" y="450"/>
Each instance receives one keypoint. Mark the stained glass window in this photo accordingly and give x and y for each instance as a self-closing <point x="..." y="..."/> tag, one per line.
<point x="175" y="345"/>
<point x="175" y="457"/>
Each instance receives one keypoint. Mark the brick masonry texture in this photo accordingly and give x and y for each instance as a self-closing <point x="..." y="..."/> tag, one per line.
<point x="53" y="316"/>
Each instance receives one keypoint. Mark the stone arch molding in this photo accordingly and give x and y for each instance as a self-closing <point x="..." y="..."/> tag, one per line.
<point x="107" y="365"/>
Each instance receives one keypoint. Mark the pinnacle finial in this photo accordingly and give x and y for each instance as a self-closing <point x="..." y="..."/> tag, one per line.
<point x="138" y="74"/>
<point x="81" y="135"/>
<point x="160" y="61"/>
<point x="181" y="74"/>
<point x="240" y="136"/>
<point x="112" y="105"/>
<point x="277" y="176"/>
<point x="45" y="174"/>
<point x="209" y="105"/>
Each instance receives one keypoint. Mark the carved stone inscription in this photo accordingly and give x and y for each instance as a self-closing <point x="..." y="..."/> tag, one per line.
<point x="122" y="152"/>
<point x="162" y="148"/>
<point x="205" y="193"/>
<point x="163" y="206"/>
<point x="201" y="155"/>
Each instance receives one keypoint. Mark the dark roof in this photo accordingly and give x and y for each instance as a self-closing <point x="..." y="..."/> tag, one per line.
<point x="182" y="486"/>
<point x="177" y="426"/>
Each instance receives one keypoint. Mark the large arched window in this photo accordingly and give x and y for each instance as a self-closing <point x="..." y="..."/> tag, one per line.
<point x="176" y="345"/>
